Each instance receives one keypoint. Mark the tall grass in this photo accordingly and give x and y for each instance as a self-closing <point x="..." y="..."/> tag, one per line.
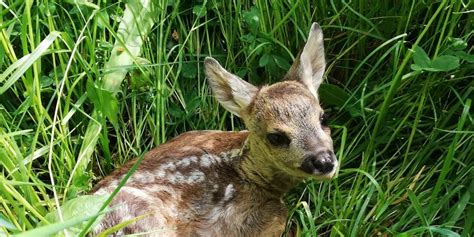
<point x="400" y="92"/>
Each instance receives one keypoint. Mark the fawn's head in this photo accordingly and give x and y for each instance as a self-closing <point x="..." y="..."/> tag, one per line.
<point x="285" y="120"/>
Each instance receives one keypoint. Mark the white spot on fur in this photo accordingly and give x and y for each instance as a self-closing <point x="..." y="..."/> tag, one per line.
<point x="169" y="166"/>
<point x="176" y="178"/>
<point x="139" y="193"/>
<point x="184" y="162"/>
<point x="196" y="177"/>
<point x="205" y="160"/>
<point x="228" y="156"/>
<point x="215" y="158"/>
<point x="193" y="159"/>
<point x="143" y="177"/>
<point x="161" y="174"/>
<point x="208" y="160"/>
<point x="229" y="192"/>
<point x="115" y="182"/>
<point x="187" y="148"/>
<point x="162" y="188"/>
<point x="235" y="152"/>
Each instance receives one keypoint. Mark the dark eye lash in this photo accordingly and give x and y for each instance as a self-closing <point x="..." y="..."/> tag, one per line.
<point x="278" y="139"/>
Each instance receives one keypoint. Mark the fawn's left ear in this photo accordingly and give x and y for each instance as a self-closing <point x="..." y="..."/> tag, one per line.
<point x="230" y="90"/>
<point x="309" y="67"/>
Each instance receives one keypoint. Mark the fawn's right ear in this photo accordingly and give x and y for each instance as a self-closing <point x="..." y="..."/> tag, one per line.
<point x="309" y="67"/>
<point x="231" y="91"/>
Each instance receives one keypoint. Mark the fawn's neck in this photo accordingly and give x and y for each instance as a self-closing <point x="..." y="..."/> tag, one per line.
<point x="259" y="170"/>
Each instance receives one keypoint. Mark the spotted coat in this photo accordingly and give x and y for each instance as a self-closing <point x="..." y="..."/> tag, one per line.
<point x="191" y="186"/>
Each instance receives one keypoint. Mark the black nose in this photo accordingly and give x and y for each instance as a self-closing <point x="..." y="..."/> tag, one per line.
<point x="322" y="162"/>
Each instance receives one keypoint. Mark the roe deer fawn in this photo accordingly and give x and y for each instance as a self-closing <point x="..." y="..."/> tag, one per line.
<point x="216" y="183"/>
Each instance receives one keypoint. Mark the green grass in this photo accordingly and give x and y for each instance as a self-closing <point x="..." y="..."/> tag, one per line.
<point x="401" y="93"/>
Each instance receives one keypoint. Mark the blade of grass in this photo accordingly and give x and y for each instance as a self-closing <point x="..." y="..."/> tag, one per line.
<point x="25" y="62"/>
<point x="448" y="160"/>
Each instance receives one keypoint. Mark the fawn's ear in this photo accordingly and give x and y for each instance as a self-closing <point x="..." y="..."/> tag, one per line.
<point x="309" y="67"/>
<point x="232" y="92"/>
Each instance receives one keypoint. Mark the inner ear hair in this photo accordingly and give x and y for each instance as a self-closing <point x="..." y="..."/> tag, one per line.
<point x="294" y="73"/>
<point x="231" y="91"/>
<point x="310" y="63"/>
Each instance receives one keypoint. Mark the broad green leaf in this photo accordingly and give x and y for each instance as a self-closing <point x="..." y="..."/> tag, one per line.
<point x="421" y="58"/>
<point x="415" y="67"/>
<point x="176" y="111"/>
<point x="102" y="19"/>
<point x="445" y="63"/>
<point x="242" y="72"/>
<point x="75" y="212"/>
<point x="189" y="70"/>
<point x="333" y="95"/>
<point x="109" y="106"/>
<point x="264" y="60"/>
<point x="457" y="43"/>
<point x="46" y="81"/>
<point x="465" y="56"/>
<point x="104" y="101"/>
<point x="135" y="24"/>
<point x="84" y="3"/>
<point x="252" y="18"/>
<point x="281" y="62"/>
<point x="4" y="222"/>
<point x="82" y="205"/>
<point x="248" y="38"/>
<point x="54" y="229"/>
<point x="200" y="10"/>
<point x="272" y="67"/>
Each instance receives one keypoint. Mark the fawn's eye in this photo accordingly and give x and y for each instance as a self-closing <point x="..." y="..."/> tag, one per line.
<point x="278" y="139"/>
<point x="324" y="120"/>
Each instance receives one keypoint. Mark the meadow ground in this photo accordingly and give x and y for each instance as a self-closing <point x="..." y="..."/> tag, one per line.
<point x="399" y="90"/>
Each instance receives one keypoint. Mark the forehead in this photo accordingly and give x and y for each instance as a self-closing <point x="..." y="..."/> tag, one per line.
<point x="284" y="102"/>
